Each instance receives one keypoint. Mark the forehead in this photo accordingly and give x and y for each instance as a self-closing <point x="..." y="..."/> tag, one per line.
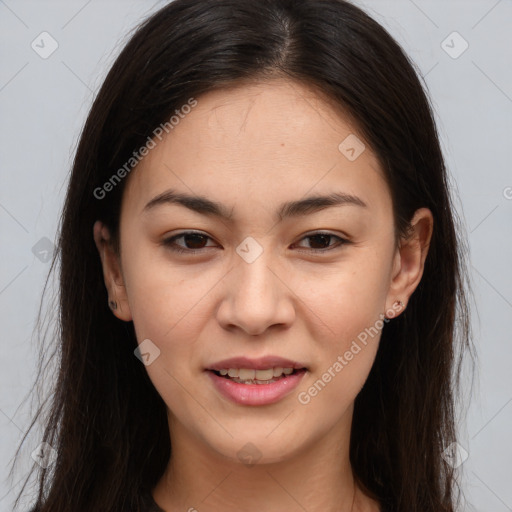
<point x="263" y="143"/>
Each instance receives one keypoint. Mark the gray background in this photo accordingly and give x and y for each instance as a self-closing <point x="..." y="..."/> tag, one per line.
<point x="43" y="104"/>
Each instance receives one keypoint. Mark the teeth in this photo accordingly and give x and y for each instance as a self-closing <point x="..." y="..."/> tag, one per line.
<point x="277" y="372"/>
<point x="246" y="374"/>
<point x="263" y="374"/>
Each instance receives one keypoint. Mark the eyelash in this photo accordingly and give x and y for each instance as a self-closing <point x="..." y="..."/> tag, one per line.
<point x="169" y="243"/>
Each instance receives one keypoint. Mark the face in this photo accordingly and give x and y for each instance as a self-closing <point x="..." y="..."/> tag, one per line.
<point x="250" y="277"/>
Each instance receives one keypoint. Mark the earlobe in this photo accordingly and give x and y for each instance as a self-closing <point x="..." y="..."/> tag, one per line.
<point x="112" y="275"/>
<point x="410" y="258"/>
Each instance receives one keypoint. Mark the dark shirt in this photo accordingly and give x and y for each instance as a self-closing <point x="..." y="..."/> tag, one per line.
<point x="148" y="503"/>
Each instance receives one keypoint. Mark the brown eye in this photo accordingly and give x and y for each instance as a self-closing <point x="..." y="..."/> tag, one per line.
<point x="320" y="242"/>
<point x="193" y="242"/>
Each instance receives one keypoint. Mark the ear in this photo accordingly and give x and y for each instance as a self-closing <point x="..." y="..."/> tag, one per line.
<point x="409" y="259"/>
<point x="112" y="273"/>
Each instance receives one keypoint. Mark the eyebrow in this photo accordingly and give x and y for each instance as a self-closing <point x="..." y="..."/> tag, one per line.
<point x="205" y="206"/>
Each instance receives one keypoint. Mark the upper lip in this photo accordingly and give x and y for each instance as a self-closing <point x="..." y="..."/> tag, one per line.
<point x="262" y="363"/>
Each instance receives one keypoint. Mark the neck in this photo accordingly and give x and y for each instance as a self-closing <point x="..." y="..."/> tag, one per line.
<point x="316" y="478"/>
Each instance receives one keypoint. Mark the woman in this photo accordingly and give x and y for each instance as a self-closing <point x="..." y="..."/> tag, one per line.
<point x="262" y="280"/>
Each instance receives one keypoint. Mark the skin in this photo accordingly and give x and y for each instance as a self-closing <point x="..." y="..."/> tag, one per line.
<point x="252" y="148"/>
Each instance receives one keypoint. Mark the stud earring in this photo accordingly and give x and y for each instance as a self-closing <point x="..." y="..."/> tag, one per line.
<point x="393" y="311"/>
<point x="112" y="304"/>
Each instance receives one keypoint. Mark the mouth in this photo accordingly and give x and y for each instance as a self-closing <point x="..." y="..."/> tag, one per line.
<point x="263" y="385"/>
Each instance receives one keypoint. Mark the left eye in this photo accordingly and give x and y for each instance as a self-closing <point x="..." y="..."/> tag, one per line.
<point x="323" y="239"/>
<point x="195" y="242"/>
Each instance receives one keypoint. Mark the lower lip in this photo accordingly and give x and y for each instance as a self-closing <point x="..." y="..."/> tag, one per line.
<point x="256" y="394"/>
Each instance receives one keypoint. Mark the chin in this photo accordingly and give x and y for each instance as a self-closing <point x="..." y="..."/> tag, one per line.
<point x="258" y="448"/>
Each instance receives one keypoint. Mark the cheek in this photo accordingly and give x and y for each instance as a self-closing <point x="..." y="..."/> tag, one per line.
<point x="349" y="305"/>
<point x="168" y="307"/>
<point x="345" y="348"/>
<point x="165" y="298"/>
<point x="347" y="298"/>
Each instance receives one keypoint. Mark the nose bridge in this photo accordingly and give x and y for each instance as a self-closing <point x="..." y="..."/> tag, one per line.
<point x="255" y="281"/>
<point x="253" y="272"/>
<point x="255" y="298"/>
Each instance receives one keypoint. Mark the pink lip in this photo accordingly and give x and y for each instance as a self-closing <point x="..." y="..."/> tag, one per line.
<point x="256" y="394"/>
<point x="262" y="363"/>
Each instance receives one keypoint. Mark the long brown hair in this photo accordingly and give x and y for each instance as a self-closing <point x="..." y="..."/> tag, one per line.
<point x="404" y="417"/>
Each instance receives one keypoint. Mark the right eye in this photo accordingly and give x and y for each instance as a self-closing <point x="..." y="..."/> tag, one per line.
<point x="191" y="238"/>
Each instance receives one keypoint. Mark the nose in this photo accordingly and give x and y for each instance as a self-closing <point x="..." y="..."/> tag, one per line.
<point x="256" y="298"/>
